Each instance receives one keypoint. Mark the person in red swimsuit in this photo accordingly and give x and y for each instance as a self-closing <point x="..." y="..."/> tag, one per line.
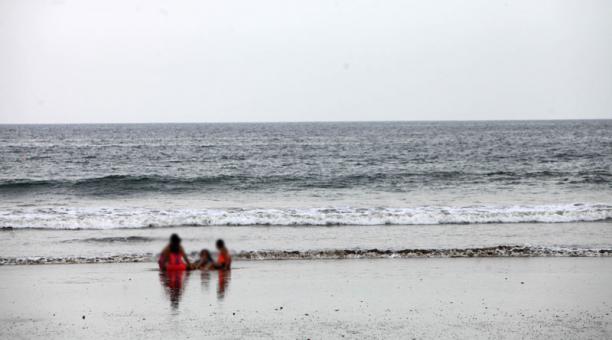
<point x="224" y="261"/>
<point x="173" y="256"/>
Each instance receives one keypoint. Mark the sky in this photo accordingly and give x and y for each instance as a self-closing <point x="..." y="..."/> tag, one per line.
<point x="115" y="61"/>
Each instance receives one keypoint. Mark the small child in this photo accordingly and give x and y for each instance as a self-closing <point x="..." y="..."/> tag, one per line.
<point x="224" y="261"/>
<point x="205" y="262"/>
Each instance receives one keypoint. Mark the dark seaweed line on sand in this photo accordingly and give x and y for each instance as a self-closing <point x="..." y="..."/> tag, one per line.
<point x="497" y="251"/>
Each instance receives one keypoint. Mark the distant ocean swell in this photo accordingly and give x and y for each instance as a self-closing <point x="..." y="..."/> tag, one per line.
<point x="130" y="184"/>
<point x="496" y="251"/>
<point x="115" y="218"/>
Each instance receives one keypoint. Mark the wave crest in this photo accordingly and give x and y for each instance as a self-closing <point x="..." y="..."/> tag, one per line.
<point x="113" y="218"/>
<point x="394" y="181"/>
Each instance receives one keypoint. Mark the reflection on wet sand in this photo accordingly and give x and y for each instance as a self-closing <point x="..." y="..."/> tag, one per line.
<point x="174" y="284"/>
<point x="224" y="279"/>
<point x="205" y="278"/>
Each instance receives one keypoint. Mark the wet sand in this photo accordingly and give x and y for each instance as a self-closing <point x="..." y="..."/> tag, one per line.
<point x="386" y="298"/>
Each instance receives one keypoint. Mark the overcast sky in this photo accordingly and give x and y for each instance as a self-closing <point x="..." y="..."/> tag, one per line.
<point x="73" y="61"/>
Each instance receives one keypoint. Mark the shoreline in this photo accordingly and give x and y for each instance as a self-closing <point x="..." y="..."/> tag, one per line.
<point x="502" y="251"/>
<point x="274" y="243"/>
<point x="441" y="298"/>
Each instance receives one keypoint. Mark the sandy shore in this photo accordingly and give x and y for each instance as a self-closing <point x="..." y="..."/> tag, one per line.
<point x="403" y="298"/>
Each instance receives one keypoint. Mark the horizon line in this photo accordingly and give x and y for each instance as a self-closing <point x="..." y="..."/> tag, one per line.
<point x="312" y="121"/>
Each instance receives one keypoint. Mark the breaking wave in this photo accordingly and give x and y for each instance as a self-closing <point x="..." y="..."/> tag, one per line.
<point x="330" y="254"/>
<point x="114" y="218"/>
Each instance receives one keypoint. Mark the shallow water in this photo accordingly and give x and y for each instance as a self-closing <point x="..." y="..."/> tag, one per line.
<point x="312" y="242"/>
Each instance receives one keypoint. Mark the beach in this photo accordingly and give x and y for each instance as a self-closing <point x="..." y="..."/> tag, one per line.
<point x="560" y="298"/>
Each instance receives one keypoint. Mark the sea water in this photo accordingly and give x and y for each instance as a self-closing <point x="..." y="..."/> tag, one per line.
<point x="91" y="193"/>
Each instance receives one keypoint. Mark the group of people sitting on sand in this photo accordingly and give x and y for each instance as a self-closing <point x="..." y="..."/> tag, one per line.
<point x="173" y="257"/>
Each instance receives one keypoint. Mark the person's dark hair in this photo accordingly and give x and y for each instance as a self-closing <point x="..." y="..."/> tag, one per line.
<point x="220" y="244"/>
<point x="175" y="243"/>
<point x="205" y="251"/>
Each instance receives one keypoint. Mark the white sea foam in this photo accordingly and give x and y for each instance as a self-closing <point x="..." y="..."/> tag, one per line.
<point x="112" y="218"/>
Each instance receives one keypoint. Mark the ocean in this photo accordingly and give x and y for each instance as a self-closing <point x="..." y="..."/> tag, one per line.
<point x="114" y="193"/>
